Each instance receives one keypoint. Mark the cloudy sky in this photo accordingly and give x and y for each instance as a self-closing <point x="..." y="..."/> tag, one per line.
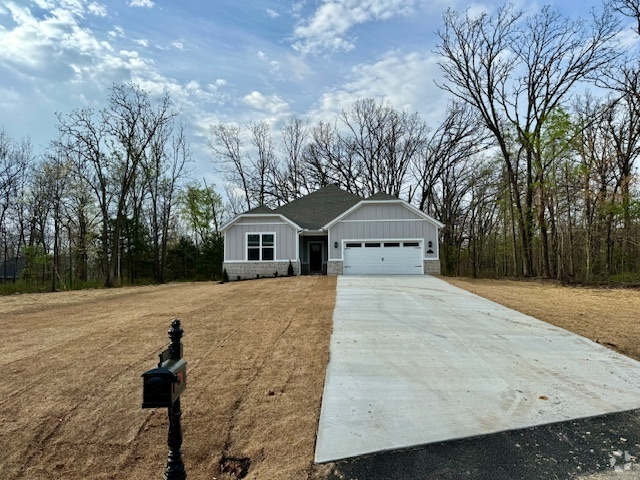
<point x="222" y="60"/>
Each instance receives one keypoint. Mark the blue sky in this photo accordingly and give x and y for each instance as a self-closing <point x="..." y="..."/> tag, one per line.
<point x="222" y="60"/>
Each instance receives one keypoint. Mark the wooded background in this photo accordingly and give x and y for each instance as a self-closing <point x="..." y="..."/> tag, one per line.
<point x="532" y="169"/>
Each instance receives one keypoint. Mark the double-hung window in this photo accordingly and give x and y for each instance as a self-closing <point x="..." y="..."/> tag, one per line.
<point x="261" y="246"/>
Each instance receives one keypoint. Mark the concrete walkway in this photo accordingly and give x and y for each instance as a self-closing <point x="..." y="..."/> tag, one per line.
<point x="414" y="360"/>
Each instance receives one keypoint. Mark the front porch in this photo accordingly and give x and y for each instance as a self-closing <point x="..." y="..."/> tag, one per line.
<point x="314" y="254"/>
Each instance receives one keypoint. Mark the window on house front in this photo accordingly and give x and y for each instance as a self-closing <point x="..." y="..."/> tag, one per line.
<point x="261" y="246"/>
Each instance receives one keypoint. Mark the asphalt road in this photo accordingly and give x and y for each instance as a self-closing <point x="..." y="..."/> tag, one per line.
<point x="569" y="450"/>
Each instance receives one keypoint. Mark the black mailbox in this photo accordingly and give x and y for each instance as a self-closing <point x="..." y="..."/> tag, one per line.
<point x="161" y="388"/>
<point x="163" y="385"/>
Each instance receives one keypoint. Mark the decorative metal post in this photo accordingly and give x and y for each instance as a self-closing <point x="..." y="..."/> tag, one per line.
<point x="175" y="467"/>
<point x="161" y="388"/>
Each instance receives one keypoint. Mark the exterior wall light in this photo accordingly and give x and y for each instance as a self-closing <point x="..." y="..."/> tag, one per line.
<point x="335" y="244"/>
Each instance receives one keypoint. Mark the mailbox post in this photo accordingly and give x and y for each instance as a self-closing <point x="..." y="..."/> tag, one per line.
<point x="161" y="388"/>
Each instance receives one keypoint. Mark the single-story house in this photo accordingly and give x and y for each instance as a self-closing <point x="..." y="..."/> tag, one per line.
<point x="333" y="232"/>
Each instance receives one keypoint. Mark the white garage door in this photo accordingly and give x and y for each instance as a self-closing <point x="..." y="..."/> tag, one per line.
<point x="380" y="258"/>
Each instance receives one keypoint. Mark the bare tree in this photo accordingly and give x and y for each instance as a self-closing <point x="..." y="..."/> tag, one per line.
<point x="16" y="158"/>
<point x="54" y="175"/>
<point x="459" y="137"/>
<point x="164" y="167"/>
<point x="227" y="148"/>
<point x="262" y="172"/>
<point x="14" y="161"/>
<point x="109" y="147"/>
<point x="290" y="176"/>
<point x="515" y="71"/>
<point x="384" y="141"/>
<point x="329" y="161"/>
<point x="629" y="8"/>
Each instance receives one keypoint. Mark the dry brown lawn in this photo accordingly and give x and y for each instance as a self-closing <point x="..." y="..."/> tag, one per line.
<point x="609" y="316"/>
<point x="70" y="397"/>
<point x="257" y="351"/>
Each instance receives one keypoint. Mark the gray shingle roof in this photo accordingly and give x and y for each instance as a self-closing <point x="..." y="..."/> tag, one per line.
<point x="260" y="209"/>
<point x="382" y="196"/>
<point x="317" y="209"/>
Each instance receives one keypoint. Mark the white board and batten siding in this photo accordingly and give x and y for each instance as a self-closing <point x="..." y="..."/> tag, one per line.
<point x="383" y="238"/>
<point x="286" y="238"/>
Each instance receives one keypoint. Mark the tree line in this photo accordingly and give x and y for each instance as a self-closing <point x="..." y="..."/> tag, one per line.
<point x="532" y="168"/>
<point x="109" y="201"/>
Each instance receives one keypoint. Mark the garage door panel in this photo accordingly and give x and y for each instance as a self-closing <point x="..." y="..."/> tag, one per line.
<point x="372" y="257"/>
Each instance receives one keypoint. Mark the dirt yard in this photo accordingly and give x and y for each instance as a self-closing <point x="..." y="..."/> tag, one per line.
<point x="257" y="351"/>
<point x="70" y="397"/>
<point x="608" y="316"/>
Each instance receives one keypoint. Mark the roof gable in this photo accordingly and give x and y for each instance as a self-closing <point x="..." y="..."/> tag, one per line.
<point x="320" y="207"/>
<point x="264" y="214"/>
<point x="370" y="201"/>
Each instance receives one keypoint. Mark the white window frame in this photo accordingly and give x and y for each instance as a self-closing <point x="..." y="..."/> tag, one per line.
<point x="260" y="247"/>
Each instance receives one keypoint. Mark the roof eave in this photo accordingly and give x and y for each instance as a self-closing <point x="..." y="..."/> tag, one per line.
<point x="258" y="215"/>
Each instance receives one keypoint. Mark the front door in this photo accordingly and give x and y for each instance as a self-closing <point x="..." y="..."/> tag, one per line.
<point x="315" y="256"/>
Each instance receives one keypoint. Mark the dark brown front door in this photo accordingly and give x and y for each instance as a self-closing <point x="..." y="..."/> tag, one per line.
<point x="315" y="257"/>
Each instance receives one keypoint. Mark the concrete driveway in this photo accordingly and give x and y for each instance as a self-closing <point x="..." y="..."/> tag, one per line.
<point x="414" y="360"/>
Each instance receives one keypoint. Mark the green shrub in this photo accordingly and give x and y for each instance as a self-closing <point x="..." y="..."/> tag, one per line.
<point x="225" y="275"/>
<point x="625" y="277"/>
<point x="290" y="269"/>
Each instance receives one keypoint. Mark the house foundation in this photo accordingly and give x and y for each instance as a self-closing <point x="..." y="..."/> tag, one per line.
<point x="246" y="270"/>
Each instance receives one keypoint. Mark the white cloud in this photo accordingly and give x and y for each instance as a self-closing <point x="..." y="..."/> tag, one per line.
<point x="405" y="80"/>
<point x="97" y="9"/>
<point x="272" y="104"/>
<point x="116" y="32"/>
<point x="327" y="28"/>
<point x="178" y="45"/>
<point x="297" y="7"/>
<point x="44" y="4"/>
<point x="74" y="6"/>
<point x="57" y="48"/>
<point x="142" y="41"/>
<point x="141" y="3"/>
<point x="272" y="13"/>
<point x="33" y="42"/>
<point x="274" y="65"/>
